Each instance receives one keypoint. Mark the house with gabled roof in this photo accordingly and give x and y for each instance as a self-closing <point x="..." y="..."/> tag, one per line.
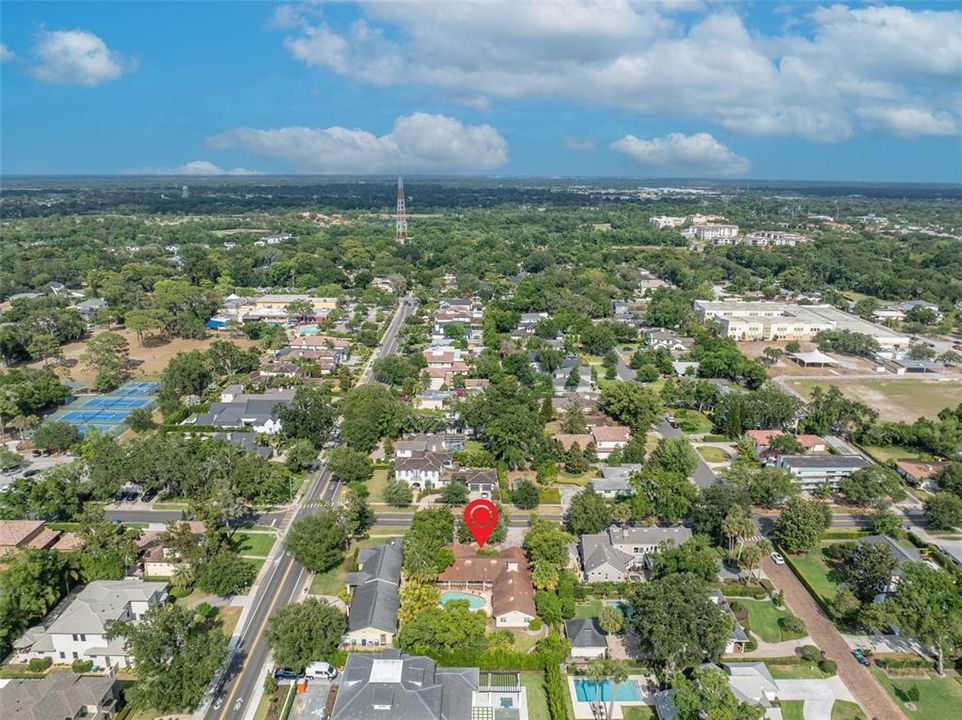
<point x="587" y="638"/>
<point x="372" y="615"/>
<point x="505" y="575"/>
<point x="76" y="629"/>
<point x="621" y="553"/>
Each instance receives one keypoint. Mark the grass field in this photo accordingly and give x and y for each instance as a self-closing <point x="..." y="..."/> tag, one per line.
<point x="533" y="682"/>
<point x="817" y="572"/>
<point x="550" y="496"/>
<point x="589" y="609"/>
<point x="255" y="544"/>
<point x="377" y="484"/>
<point x="763" y="617"/>
<point x="692" y="422"/>
<point x="893" y="452"/>
<point x="902" y="399"/>
<point x="638" y="712"/>
<point x="797" y="671"/>
<point x="258" y="563"/>
<point x="938" y="697"/>
<point x="229" y="616"/>
<point x="792" y="709"/>
<point x="713" y="454"/>
<point x="845" y="710"/>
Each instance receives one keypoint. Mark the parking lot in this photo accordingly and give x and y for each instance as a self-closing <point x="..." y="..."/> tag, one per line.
<point x="31" y="464"/>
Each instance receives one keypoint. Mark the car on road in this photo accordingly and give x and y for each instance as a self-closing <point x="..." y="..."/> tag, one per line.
<point x="671" y="421"/>
<point x="31" y="472"/>
<point x="957" y="346"/>
<point x="777" y="558"/>
<point x="321" y="670"/>
<point x="858" y="655"/>
<point x="36" y="453"/>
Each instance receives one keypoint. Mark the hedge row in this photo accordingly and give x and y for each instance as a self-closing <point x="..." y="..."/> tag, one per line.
<point x="489" y="660"/>
<point x="826" y="606"/>
<point x="901" y="663"/>
<point x="556" y="689"/>
<point x="737" y="589"/>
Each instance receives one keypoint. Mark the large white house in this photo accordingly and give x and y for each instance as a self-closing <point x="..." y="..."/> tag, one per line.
<point x="77" y="628"/>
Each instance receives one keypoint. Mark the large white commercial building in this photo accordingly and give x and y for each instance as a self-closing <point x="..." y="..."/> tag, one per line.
<point x="741" y="320"/>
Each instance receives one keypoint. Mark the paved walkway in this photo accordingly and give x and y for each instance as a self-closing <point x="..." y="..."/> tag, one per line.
<point x="783" y="649"/>
<point x="870" y="695"/>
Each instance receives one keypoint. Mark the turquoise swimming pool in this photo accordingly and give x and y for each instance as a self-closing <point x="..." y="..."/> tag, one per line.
<point x="308" y="330"/>
<point x="587" y="690"/>
<point x="475" y="601"/>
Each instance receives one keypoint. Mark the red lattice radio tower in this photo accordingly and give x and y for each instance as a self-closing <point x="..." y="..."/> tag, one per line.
<point x="401" y="217"/>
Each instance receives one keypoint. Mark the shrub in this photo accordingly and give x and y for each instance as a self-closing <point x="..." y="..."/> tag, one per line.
<point x="810" y="653"/>
<point x="829" y="667"/>
<point x="792" y="624"/>
<point x="82" y="666"/>
<point x="179" y="592"/>
<point x="767" y="584"/>
<point x="752" y="644"/>
<point x="535" y="624"/>
<point x="39" y="664"/>
<point x="912" y="693"/>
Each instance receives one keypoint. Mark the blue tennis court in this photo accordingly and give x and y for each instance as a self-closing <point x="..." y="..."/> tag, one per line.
<point x="108" y="413"/>
<point x="124" y="403"/>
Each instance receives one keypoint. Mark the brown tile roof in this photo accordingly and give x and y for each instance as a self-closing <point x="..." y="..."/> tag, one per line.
<point x="920" y="469"/>
<point x="44" y="539"/>
<point x="763" y="438"/>
<point x="610" y="433"/>
<point x="567" y="441"/>
<point x="15" y="533"/>
<point x="508" y="574"/>
<point x="68" y="542"/>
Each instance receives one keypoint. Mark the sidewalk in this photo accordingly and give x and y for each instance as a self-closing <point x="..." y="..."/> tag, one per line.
<point x="870" y="695"/>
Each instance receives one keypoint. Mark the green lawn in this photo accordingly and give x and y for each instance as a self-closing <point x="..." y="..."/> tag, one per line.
<point x="537" y="699"/>
<point x="763" y="617"/>
<point x="638" y="712"/>
<point x="893" y="452"/>
<point x="589" y="609"/>
<point x="816" y="571"/>
<point x="796" y="671"/>
<point x="792" y="709"/>
<point x="938" y="697"/>
<point x="713" y="454"/>
<point x="845" y="710"/>
<point x="258" y="563"/>
<point x="328" y="583"/>
<point x="902" y="399"/>
<point x="692" y="421"/>
<point x="255" y="544"/>
<point x="550" y="496"/>
<point x="377" y="484"/>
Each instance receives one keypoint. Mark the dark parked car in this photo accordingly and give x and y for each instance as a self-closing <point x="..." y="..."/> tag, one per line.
<point x="36" y="453"/>
<point x="285" y="674"/>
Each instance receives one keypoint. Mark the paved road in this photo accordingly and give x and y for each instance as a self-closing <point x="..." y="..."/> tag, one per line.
<point x="283" y="581"/>
<point x="400" y="519"/>
<point x="823" y="632"/>
<point x="625" y="373"/>
<point x="703" y="475"/>
<point x="142" y="514"/>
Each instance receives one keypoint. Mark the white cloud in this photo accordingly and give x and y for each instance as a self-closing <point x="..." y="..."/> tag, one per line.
<point x="703" y="63"/>
<point x="417" y="143"/>
<point x="576" y="143"/>
<point x="909" y="121"/>
<point x="679" y="154"/>
<point x="6" y="54"/>
<point x="196" y="167"/>
<point x="77" y="57"/>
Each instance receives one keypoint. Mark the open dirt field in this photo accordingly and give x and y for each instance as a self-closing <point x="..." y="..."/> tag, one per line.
<point x="898" y="399"/>
<point x="847" y="364"/>
<point x="147" y="362"/>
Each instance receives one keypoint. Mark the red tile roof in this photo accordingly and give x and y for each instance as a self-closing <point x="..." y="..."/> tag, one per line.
<point x="508" y="574"/>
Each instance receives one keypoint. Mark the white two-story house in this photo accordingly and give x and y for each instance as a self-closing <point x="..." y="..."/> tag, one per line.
<point x="77" y="628"/>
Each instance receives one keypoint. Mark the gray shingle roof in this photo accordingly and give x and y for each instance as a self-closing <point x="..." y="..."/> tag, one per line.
<point x="596" y="550"/>
<point x="376" y="601"/>
<point x="585" y="633"/>
<point x="64" y="695"/>
<point x="395" y="686"/>
<point x="833" y="462"/>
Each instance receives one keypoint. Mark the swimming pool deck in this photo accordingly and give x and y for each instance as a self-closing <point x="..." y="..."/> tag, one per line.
<point x="583" y="709"/>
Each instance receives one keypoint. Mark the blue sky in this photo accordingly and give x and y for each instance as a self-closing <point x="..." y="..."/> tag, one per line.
<point x="689" y="88"/>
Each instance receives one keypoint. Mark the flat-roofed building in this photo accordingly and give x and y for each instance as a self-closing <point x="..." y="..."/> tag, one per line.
<point x="813" y="471"/>
<point x="742" y="320"/>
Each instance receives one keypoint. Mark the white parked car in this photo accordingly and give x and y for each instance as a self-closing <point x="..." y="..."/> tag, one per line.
<point x="777" y="558"/>
<point x="321" y="670"/>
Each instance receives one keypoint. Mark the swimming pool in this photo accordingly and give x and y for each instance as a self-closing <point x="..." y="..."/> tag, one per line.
<point x="308" y="330"/>
<point x="587" y="690"/>
<point x="475" y="601"/>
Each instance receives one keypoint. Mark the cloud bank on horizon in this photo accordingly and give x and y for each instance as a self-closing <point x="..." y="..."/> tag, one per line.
<point x="681" y="87"/>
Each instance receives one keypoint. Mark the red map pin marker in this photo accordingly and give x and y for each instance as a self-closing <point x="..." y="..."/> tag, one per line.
<point x="481" y="516"/>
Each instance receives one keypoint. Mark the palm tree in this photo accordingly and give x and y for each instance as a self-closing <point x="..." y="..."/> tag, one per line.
<point x="596" y="673"/>
<point x="737" y="524"/>
<point x="611" y="620"/>
<point x="183" y="576"/>
<point x="617" y="673"/>
<point x="23" y="423"/>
